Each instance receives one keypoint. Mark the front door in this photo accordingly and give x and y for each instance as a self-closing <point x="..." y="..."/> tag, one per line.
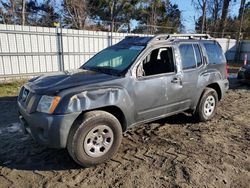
<point x="157" y="85"/>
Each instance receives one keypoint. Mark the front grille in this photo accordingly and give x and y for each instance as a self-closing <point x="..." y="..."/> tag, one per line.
<point x="28" y="100"/>
<point x="24" y="96"/>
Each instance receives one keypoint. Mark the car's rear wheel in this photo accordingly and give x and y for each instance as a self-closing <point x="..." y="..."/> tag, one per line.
<point x="95" y="138"/>
<point x="207" y="106"/>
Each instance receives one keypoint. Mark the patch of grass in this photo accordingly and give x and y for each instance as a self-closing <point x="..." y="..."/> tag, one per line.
<point x="11" y="88"/>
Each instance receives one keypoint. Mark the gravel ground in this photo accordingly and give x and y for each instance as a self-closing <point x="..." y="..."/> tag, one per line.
<point x="172" y="152"/>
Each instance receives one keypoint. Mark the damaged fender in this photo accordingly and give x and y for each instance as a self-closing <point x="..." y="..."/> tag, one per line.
<point x="99" y="98"/>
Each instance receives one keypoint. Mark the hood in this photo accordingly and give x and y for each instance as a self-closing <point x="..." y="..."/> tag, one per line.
<point x="55" y="82"/>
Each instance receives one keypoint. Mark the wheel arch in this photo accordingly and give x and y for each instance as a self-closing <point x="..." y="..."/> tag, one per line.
<point x="217" y="88"/>
<point x="114" y="110"/>
<point x="214" y="86"/>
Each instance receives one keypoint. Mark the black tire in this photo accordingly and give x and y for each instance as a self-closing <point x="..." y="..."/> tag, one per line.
<point x="85" y="126"/>
<point x="202" y="113"/>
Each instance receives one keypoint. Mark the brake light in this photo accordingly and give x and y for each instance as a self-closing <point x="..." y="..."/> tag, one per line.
<point x="226" y="71"/>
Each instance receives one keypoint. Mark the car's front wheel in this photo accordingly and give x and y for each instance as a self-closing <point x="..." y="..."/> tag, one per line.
<point x="95" y="138"/>
<point x="207" y="105"/>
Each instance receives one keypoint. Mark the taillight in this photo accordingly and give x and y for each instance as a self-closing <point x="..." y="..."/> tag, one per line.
<point x="226" y="71"/>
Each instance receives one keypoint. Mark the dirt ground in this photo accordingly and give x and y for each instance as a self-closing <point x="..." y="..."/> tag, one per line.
<point x="172" y="152"/>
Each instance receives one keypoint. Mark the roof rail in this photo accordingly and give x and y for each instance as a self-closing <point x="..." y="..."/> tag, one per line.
<point x="169" y="37"/>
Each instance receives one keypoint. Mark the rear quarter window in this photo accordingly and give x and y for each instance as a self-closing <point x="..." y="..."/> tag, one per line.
<point x="214" y="53"/>
<point x="187" y="56"/>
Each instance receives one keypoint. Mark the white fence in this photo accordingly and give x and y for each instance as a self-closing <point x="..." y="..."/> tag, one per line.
<point x="27" y="50"/>
<point x="229" y="46"/>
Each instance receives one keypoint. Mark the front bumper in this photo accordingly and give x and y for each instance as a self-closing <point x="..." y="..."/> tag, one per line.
<point x="46" y="129"/>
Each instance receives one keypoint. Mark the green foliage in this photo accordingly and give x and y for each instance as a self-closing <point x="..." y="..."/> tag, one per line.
<point x="246" y="22"/>
<point x="48" y="14"/>
<point x="114" y="13"/>
<point x="11" y="88"/>
<point x="37" y="14"/>
<point x="152" y="16"/>
<point x="10" y="11"/>
<point x="214" y="20"/>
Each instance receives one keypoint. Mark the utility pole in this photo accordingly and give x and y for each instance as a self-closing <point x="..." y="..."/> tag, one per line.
<point x="241" y="17"/>
<point x="112" y="21"/>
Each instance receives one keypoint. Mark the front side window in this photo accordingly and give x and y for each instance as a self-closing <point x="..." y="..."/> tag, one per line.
<point x="158" y="61"/>
<point x="187" y="56"/>
<point x="114" y="59"/>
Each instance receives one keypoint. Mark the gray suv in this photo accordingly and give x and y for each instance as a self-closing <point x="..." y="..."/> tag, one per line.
<point x="138" y="80"/>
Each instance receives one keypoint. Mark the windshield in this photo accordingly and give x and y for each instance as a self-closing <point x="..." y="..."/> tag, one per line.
<point x="113" y="60"/>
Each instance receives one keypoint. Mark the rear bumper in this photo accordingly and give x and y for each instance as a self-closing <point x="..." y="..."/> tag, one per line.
<point x="46" y="129"/>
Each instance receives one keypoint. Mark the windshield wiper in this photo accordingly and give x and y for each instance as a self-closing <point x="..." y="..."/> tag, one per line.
<point x="105" y="70"/>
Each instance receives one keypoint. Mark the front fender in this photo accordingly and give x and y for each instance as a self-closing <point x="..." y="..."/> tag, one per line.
<point x="99" y="98"/>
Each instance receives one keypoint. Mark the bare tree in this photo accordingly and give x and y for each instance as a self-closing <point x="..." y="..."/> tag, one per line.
<point x="76" y="12"/>
<point x="13" y="11"/>
<point x="214" y="10"/>
<point x="224" y="16"/>
<point x="242" y="5"/>
<point x="201" y="5"/>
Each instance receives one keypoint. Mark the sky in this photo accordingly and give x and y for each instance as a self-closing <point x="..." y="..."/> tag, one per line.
<point x="189" y="14"/>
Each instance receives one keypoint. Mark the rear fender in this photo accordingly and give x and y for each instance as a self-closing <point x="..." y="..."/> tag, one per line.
<point x="205" y="79"/>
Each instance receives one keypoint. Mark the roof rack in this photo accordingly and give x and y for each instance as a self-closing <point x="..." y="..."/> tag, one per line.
<point x="169" y="37"/>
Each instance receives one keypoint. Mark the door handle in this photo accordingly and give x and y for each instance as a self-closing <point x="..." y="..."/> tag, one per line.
<point x="176" y="80"/>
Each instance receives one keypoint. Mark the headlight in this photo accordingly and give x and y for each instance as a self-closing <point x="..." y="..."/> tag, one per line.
<point x="48" y="104"/>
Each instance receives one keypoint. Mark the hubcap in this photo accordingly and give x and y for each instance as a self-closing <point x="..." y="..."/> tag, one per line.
<point x="98" y="141"/>
<point x="209" y="105"/>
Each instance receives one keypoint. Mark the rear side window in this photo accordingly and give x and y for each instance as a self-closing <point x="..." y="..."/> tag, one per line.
<point x="214" y="53"/>
<point x="187" y="56"/>
<point x="198" y="55"/>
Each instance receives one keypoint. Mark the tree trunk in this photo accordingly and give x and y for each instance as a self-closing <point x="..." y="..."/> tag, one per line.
<point x="129" y="28"/>
<point x="23" y="11"/>
<point x="242" y="4"/>
<point x="204" y="9"/>
<point x="112" y="16"/>
<point x="215" y="15"/>
<point x="224" y="16"/>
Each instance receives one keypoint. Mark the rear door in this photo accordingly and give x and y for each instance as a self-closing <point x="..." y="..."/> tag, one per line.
<point x="192" y="63"/>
